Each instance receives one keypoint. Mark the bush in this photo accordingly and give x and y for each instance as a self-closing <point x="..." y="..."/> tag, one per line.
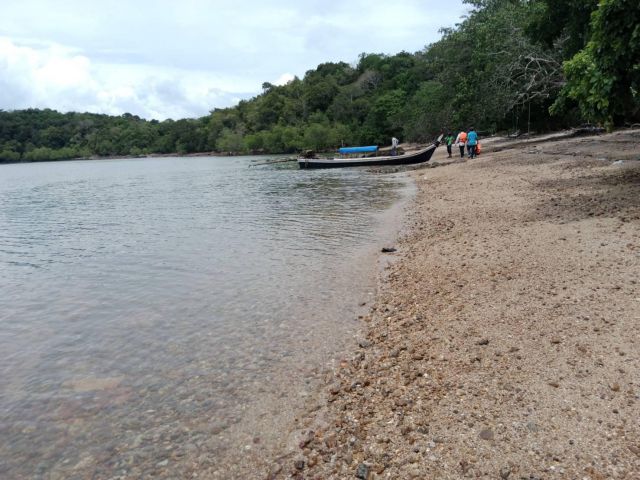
<point x="9" y="156"/>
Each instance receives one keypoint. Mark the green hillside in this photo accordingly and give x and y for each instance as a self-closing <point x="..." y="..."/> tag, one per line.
<point x="509" y="65"/>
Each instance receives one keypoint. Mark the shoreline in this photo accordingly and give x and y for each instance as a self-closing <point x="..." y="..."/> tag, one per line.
<point x="511" y="143"/>
<point x="210" y="372"/>
<point x="503" y="339"/>
<point x="263" y="437"/>
<point x="153" y="155"/>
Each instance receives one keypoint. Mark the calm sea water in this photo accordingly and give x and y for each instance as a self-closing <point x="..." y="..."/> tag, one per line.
<point x="165" y="317"/>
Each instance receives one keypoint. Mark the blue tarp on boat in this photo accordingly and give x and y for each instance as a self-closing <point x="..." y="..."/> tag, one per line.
<point x="370" y="148"/>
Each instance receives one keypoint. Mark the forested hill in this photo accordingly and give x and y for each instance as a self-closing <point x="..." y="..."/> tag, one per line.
<point x="509" y="65"/>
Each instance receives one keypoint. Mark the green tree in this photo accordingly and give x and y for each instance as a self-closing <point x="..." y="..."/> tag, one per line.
<point x="604" y="77"/>
<point x="8" y="152"/>
<point x="427" y="112"/>
<point x="254" y="141"/>
<point x="384" y="114"/>
<point x="561" y="24"/>
<point x="317" y="136"/>
<point x="230" y="141"/>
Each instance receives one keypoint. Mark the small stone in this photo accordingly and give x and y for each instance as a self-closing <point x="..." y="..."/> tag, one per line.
<point x="275" y="469"/>
<point x="484" y="341"/>
<point x="554" y="384"/>
<point x="486" y="434"/>
<point x="388" y="249"/>
<point x="331" y="441"/>
<point x="365" y="343"/>
<point x="615" y="387"/>
<point x="362" y="471"/>
<point x="532" y="427"/>
<point x="504" y="473"/>
<point x="556" y="341"/>
<point x="306" y="439"/>
<point x="299" y="464"/>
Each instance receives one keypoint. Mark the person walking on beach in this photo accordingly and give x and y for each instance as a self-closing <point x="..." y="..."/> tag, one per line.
<point x="472" y="141"/>
<point x="461" y="140"/>
<point x="394" y="145"/>
<point x="449" y="141"/>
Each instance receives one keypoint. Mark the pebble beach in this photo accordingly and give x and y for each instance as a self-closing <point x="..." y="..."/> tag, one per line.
<point x="503" y="341"/>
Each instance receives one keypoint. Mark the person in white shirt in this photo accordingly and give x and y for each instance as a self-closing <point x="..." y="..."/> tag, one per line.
<point x="394" y="145"/>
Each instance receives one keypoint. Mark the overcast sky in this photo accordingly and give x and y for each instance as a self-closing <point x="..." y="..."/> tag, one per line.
<point x="182" y="58"/>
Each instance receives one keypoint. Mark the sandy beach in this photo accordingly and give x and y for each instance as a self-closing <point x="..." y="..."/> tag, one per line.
<point x="504" y="339"/>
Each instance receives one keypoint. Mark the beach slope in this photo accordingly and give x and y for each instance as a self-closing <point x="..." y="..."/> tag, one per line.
<point x="504" y="340"/>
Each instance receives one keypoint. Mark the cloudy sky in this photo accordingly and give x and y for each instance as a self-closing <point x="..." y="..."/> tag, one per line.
<point x="182" y="58"/>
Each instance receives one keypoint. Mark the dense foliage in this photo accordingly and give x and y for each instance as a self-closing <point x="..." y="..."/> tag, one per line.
<point x="504" y="67"/>
<point x="604" y="77"/>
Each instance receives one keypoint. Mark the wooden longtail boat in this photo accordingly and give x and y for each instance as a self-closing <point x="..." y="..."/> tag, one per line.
<point x="419" y="156"/>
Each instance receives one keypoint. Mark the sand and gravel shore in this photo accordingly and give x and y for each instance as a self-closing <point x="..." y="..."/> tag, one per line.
<point x="505" y="339"/>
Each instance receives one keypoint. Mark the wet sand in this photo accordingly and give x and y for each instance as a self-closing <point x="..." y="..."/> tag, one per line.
<point x="504" y="339"/>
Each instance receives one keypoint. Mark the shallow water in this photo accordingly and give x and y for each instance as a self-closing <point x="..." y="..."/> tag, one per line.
<point x="165" y="317"/>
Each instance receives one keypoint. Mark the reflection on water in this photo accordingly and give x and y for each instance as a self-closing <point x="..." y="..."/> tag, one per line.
<point x="163" y="317"/>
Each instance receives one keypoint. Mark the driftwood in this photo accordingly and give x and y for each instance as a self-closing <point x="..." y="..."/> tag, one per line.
<point x="284" y="160"/>
<point x="587" y="129"/>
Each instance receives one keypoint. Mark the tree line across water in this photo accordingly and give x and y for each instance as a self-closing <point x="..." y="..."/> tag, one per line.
<point x="509" y="65"/>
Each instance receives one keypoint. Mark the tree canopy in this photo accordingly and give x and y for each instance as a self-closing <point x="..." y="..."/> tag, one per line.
<point x="506" y="64"/>
<point x="604" y="76"/>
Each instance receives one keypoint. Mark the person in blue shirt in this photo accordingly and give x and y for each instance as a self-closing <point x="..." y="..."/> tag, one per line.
<point x="472" y="141"/>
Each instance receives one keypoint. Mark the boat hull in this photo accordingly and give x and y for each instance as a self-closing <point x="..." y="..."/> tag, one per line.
<point x="420" y="156"/>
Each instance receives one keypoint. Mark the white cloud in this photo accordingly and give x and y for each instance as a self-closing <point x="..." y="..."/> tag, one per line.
<point x="284" y="79"/>
<point x="30" y="77"/>
<point x="164" y="58"/>
<point x="57" y="77"/>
